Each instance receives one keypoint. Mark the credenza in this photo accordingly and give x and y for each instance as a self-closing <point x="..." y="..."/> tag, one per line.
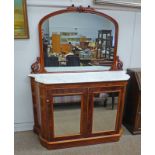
<point x="84" y="123"/>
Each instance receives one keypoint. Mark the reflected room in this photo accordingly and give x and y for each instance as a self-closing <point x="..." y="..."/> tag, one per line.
<point x="71" y="40"/>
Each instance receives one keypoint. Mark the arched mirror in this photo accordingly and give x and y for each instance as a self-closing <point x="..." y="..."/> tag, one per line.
<point x="77" y="39"/>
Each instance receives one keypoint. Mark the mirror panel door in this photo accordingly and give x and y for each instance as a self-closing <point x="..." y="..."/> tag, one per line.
<point x="67" y="115"/>
<point x="105" y="111"/>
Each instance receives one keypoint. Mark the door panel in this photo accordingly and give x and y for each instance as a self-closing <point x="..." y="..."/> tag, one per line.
<point x="67" y="115"/>
<point x="104" y="111"/>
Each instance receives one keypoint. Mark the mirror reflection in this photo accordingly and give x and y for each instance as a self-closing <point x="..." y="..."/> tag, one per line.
<point x="67" y="114"/>
<point x="77" y="39"/>
<point x="105" y="111"/>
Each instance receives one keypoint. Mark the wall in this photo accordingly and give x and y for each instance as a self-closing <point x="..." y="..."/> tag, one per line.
<point x="27" y="50"/>
<point x="69" y="21"/>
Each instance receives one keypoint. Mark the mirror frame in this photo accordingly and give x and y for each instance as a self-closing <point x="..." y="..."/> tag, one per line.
<point x="115" y="65"/>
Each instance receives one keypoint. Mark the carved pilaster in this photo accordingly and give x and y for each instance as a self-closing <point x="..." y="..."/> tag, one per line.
<point x="119" y="64"/>
<point x="35" y="67"/>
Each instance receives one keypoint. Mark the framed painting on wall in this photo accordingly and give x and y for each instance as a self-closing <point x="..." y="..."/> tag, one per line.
<point x="20" y="20"/>
<point x="121" y="3"/>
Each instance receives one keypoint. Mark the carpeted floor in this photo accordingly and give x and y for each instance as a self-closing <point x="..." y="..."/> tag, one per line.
<point x="27" y="143"/>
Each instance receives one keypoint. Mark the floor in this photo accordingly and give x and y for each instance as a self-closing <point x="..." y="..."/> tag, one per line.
<point x="27" y="143"/>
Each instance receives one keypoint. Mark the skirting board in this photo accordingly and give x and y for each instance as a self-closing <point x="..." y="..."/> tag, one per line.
<point x="24" y="126"/>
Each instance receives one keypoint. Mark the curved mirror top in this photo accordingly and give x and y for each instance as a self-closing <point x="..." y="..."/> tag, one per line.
<point x="78" y="41"/>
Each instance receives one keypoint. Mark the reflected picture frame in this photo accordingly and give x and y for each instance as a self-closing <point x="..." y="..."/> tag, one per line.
<point x="21" y="30"/>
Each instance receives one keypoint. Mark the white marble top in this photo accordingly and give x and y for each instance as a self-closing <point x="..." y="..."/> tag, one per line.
<point x="62" y="78"/>
<point x="77" y="68"/>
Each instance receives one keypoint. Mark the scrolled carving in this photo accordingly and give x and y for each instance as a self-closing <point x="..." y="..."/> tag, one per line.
<point x="35" y="67"/>
<point x="71" y="8"/>
<point x="119" y="64"/>
<point x="90" y="8"/>
<point x="79" y="8"/>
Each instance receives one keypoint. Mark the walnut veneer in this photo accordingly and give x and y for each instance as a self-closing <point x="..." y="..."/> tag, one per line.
<point x="43" y="112"/>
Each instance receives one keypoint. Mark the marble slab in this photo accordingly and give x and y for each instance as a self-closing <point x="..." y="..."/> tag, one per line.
<point x="77" y="68"/>
<point x="63" y="78"/>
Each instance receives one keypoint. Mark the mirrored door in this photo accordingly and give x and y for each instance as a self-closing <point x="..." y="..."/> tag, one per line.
<point x="103" y="111"/>
<point x="69" y="115"/>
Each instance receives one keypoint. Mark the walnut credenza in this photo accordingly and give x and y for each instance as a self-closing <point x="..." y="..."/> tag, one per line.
<point x="46" y="86"/>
